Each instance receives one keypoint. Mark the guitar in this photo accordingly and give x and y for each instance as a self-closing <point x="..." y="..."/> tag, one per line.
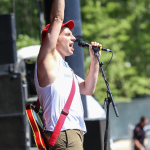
<point x="36" y="125"/>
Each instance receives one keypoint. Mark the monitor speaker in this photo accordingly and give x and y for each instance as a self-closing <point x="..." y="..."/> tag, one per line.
<point x="8" y="50"/>
<point x="12" y="113"/>
<point x="94" y="138"/>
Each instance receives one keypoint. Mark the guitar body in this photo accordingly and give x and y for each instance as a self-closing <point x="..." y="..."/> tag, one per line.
<point x="37" y="126"/>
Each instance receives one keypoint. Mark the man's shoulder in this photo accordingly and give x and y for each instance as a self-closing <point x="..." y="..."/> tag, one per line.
<point x="137" y="128"/>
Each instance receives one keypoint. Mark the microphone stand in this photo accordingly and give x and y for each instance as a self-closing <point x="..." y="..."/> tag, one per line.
<point x="108" y="100"/>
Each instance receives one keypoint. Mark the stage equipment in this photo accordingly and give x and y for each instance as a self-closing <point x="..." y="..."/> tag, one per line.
<point x="29" y="66"/>
<point x="107" y="100"/>
<point x="12" y="113"/>
<point x="4" y="69"/>
<point x="94" y="138"/>
<point x="84" y="44"/>
<point x="8" y="53"/>
<point x="47" y="6"/>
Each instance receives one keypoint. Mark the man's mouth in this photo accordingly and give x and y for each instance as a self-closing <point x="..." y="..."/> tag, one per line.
<point x="71" y="45"/>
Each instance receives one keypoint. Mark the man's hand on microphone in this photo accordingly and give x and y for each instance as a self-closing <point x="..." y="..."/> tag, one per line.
<point x="91" y="50"/>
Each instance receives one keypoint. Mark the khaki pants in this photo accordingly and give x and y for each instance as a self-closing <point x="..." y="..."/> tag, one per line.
<point x="67" y="140"/>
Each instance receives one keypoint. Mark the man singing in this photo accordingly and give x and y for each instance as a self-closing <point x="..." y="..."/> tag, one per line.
<point x="53" y="81"/>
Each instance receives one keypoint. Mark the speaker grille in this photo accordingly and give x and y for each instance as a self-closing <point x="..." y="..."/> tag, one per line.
<point x="11" y="95"/>
<point x="8" y="48"/>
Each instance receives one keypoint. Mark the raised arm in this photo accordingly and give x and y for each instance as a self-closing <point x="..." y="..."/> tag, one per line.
<point x="47" y="63"/>
<point x="87" y="87"/>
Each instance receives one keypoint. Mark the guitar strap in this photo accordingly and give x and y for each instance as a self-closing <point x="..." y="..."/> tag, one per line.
<point x="63" y="115"/>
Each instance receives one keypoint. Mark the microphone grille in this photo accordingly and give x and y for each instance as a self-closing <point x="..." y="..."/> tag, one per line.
<point x="81" y="43"/>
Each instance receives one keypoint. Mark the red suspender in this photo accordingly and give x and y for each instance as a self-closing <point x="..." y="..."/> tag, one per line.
<point x="63" y="115"/>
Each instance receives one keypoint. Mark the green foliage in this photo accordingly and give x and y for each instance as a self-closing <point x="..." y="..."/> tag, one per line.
<point x="6" y="6"/>
<point x="122" y="26"/>
<point x="25" y="40"/>
<point x="26" y="15"/>
<point x="26" y="20"/>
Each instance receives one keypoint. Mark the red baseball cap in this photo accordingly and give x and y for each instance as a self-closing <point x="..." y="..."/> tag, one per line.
<point x="70" y="24"/>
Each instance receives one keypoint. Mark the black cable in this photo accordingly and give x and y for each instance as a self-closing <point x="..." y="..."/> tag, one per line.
<point x="109" y="61"/>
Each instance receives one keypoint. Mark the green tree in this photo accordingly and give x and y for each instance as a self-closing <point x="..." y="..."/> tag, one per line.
<point x="25" y="40"/>
<point x="26" y="20"/>
<point x="121" y="25"/>
<point x="110" y="23"/>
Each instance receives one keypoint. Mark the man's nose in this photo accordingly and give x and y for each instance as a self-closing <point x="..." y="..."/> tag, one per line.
<point x="73" y="38"/>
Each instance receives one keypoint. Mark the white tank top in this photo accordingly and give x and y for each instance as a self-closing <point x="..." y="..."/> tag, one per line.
<point x="53" y="98"/>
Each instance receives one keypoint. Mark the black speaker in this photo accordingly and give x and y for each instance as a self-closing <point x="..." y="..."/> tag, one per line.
<point x="30" y="66"/>
<point x="12" y="113"/>
<point x="12" y="131"/>
<point x="4" y="69"/>
<point x="11" y="94"/>
<point x="8" y="50"/>
<point x="94" y="138"/>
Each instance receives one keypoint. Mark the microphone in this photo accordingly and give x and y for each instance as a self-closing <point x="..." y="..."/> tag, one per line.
<point x="95" y="48"/>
